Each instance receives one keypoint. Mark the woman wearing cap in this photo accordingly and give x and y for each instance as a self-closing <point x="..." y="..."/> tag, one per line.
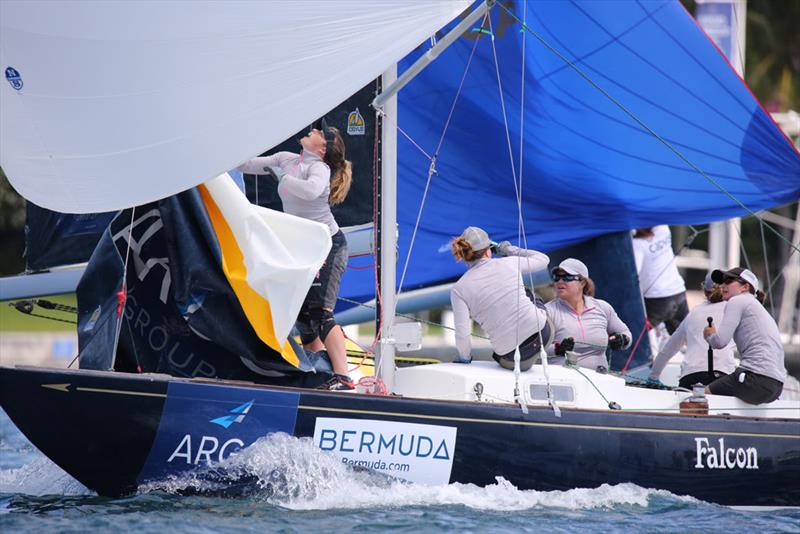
<point x="694" y="368"/>
<point x="583" y="323"/>
<point x="661" y="284"/>
<point x="309" y="184"/>
<point x="491" y="292"/>
<point x="761" y="373"/>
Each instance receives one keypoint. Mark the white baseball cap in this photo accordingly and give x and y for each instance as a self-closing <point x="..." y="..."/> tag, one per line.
<point x="737" y="272"/>
<point x="572" y="266"/>
<point x="477" y="238"/>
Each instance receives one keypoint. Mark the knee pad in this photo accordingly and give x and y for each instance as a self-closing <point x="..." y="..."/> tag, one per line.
<point x="326" y="324"/>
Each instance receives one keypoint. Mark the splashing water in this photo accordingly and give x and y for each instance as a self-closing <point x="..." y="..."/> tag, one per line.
<point x="293" y="473"/>
<point x="39" y="476"/>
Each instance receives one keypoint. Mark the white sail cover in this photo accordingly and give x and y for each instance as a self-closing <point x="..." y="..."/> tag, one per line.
<point x="111" y="104"/>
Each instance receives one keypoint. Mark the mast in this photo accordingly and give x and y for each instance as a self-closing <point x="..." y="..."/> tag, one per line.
<point x="724" y="21"/>
<point x="385" y="105"/>
<point x="387" y="232"/>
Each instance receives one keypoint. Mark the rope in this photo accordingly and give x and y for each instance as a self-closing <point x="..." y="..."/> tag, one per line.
<point x="766" y="268"/>
<point x="26" y="307"/>
<point x="576" y="368"/>
<point x="688" y="241"/>
<point x="432" y="167"/>
<point x="122" y="295"/>
<point x="413" y="318"/>
<point x="644" y="126"/>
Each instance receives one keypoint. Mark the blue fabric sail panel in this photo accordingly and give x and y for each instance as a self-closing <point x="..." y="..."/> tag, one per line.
<point x="588" y="168"/>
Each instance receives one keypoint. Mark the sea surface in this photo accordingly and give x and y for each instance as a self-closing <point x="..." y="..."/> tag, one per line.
<point x="317" y="493"/>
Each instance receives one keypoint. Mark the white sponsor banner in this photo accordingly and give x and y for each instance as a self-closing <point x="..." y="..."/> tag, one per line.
<point x="414" y="452"/>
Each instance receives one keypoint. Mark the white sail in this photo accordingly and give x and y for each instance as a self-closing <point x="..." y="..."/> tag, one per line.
<point x="113" y="104"/>
<point x="270" y="259"/>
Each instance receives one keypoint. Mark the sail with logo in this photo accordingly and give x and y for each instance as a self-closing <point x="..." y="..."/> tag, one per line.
<point x="195" y="304"/>
<point x="163" y="107"/>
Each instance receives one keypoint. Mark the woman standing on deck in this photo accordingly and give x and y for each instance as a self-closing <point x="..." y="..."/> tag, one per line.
<point x="761" y="372"/>
<point x="579" y="317"/>
<point x="492" y="293"/>
<point x="662" y="286"/>
<point x="309" y="183"/>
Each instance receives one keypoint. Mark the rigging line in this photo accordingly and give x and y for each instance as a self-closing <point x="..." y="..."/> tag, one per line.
<point x="124" y="290"/>
<point x="780" y="273"/>
<point x="643" y="125"/>
<point x="689" y="239"/>
<point x="741" y="246"/>
<point x="416" y="145"/>
<point x="40" y="316"/>
<point x="412" y="317"/>
<point x="576" y="368"/>
<point x="520" y="223"/>
<point x="766" y="268"/>
<point x="521" y="236"/>
<point x="434" y="159"/>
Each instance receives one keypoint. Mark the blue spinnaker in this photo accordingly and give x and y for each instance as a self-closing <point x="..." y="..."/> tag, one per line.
<point x="588" y="168"/>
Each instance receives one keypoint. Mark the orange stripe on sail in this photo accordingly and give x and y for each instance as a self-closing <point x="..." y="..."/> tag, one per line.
<point x="256" y="307"/>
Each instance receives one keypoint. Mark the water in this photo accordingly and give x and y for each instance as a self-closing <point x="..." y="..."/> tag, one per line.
<point x="290" y="486"/>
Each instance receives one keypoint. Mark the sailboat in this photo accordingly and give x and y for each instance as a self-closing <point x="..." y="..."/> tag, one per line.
<point x="548" y="428"/>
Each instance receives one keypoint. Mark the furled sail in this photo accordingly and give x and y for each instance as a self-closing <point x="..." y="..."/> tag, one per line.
<point x="113" y="104"/>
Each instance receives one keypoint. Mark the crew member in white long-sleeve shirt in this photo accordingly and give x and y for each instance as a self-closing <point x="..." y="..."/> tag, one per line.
<point x="662" y="286"/>
<point x="761" y="372"/>
<point x="694" y="368"/>
<point x="309" y="183"/>
<point x="491" y="292"/>
<point x="583" y="324"/>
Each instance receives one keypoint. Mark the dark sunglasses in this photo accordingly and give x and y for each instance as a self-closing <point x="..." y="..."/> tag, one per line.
<point x="732" y="279"/>
<point x="566" y="277"/>
<point x="327" y="132"/>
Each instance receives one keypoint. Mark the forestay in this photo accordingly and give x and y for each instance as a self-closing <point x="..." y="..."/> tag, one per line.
<point x="110" y="105"/>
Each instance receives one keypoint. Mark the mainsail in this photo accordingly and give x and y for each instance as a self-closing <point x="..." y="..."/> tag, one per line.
<point x="107" y="105"/>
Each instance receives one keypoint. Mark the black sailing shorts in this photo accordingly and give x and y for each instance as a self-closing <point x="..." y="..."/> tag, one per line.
<point x="316" y="314"/>
<point x="668" y="310"/>
<point x="753" y="388"/>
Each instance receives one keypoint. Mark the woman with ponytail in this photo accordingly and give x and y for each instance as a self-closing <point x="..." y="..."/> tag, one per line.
<point x="761" y="372"/>
<point x="491" y="292"/>
<point x="694" y="368"/>
<point x="310" y="183"/>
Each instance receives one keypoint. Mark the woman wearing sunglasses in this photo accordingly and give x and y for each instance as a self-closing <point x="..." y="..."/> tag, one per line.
<point x="492" y="294"/>
<point x="310" y="183"/>
<point x="583" y="323"/>
<point x="761" y="372"/>
<point x="694" y="368"/>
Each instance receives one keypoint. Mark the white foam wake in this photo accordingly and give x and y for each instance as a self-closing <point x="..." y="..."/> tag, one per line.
<point x="40" y="477"/>
<point x="295" y="474"/>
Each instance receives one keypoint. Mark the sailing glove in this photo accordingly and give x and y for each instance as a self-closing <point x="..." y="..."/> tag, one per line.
<point x="566" y="344"/>
<point x="617" y="341"/>
<point x="503" y="248"/>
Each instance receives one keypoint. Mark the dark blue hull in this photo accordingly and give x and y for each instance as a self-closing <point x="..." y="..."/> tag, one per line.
<point x="114" y="431"/>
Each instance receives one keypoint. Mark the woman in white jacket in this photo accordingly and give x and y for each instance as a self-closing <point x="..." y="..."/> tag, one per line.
<point x="694" y="368"/>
